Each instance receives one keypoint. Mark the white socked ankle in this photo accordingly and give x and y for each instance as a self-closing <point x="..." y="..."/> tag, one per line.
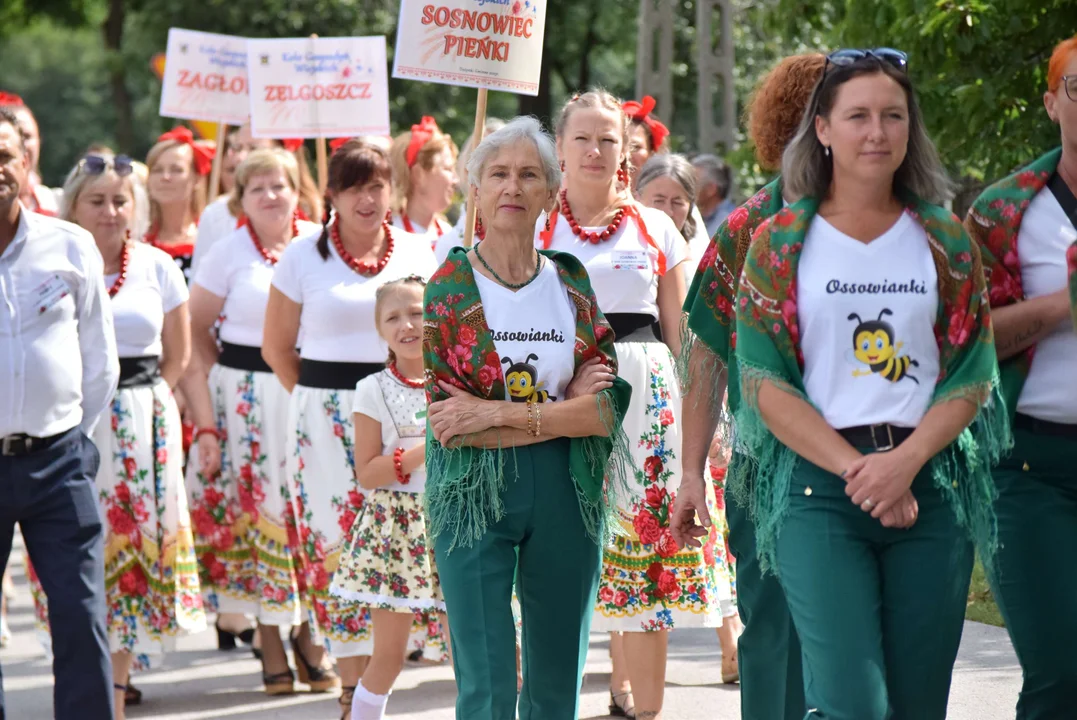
<point x="368" y="706"/>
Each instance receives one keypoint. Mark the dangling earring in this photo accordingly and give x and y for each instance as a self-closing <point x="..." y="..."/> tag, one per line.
<point x="480" y="231"/>
<point x="826" y="150"/>
<point x="562" y="166"/>
<point x="127" y="235"/>
<point x="389" y="216"/>
<point x="622" y="175"/>
<point x="547" y="227"/>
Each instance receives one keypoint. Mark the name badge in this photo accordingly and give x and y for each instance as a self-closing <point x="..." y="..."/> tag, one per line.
<point x="631" y="260"/>
<point x="49" y="293"/>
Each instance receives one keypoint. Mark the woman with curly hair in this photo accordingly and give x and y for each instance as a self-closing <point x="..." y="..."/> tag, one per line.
<point x="768" y="649"/>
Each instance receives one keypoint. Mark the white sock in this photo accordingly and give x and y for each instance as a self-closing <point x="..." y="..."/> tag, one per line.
<point x="368" y="706"/>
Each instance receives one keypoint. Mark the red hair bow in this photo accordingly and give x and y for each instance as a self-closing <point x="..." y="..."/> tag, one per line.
<point x="641" y="112"/>
<point x="337" y="143"/>
<point x="8" y="99"/>
<point x="420" y="135"/>
<point x="203" y="156"/>
<point x="291" y="144"/>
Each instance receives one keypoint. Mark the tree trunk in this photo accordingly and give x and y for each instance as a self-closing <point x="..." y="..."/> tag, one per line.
<point x="539" y="105"/>
<point x="112" y="30"/>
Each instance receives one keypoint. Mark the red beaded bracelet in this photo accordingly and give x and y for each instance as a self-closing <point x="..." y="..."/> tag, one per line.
<point x="199" y="432"/>
<point x="398" y="465"/>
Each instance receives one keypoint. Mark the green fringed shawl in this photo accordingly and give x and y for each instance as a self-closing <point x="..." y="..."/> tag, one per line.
<point x="709" y="320"/>
<point x="768" y="348"/>
<point x="464" y="485"/>
<point x="993" y="223"/>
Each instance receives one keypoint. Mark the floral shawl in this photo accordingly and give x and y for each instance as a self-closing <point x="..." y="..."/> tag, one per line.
<point x="463" y="485"/>
<point x="768" y="348"/>
<point x="993" y="223"/>
<point x="1071" y="262"/>
<point x="709" y="316"/>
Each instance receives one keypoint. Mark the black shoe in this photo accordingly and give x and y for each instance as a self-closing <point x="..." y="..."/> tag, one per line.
<point x="226" y="639"/>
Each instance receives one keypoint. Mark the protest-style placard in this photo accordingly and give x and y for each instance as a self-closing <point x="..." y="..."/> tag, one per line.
<point x="205" y="77"/>
<point x="491" y="44"/>
<point x="318" y="87"/>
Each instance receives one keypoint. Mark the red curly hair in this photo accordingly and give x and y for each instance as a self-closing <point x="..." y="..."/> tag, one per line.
<point x="1063" y="53"/>
<point x="779" y="102"/>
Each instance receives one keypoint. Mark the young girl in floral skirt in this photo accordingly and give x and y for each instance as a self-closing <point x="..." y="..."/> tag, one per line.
<point x="388" y="565"/>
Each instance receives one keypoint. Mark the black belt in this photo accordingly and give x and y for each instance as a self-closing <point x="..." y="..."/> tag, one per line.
<point x="879" y="437"/>
<point x="624" y="324"/>
<point x="139" y="371"/>
<point x="22" y="444"/>
<point x="1044" y="427"/>
<point x="242" y="357"/>
<point x="334" y="375"/>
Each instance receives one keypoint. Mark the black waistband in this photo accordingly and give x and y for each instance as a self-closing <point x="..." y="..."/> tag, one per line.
<point x="242" y="357"/>
<point x="334" y="375"/>
<point x="880" y="437"/>
<point x="139" y="371"/>
<point x="1044" y="427"/>
<point x="624" y="324"/>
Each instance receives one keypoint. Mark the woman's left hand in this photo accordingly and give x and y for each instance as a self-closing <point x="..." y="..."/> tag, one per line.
<point x="461" y="414"/>
<point x="878" y="480"/>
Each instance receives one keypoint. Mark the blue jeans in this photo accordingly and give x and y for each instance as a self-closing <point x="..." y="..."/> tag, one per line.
<point x="50" y="493"/>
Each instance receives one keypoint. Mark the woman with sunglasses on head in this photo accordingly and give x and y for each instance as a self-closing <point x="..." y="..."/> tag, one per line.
<point x="1024" y="225"/>
<point x="867" y="365"/>
<point x="633" y="255"/>
<point x="150" y="567"/>
<point x="768" y="650"/>
<point x="424" y="180"/>
<point x="240" y="504"/>
<point x="323" y="289"/>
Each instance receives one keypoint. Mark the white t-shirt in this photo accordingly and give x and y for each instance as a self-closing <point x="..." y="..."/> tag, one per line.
<point x="337" y="320"/>
<point x="454" y="237"/>
<point x="623" y="269"/>
<point x="1050" y="392"/>
<point x="534" y="331"/>
<point x="154" y="287"/>
<point x="401" y="410"/>
<point x="856" y="303"/>
<point x="236" y="271"/>
<point x="216" y="223"/>
<point x="439" y="228"/>
<point x="697" y="247"/>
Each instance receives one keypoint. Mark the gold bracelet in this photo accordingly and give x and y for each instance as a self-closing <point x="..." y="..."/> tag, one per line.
<point x="538" y="420"/>
<point x="530" y="418"/>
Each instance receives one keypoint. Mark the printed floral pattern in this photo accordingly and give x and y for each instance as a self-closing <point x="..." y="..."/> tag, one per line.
<point x="646" y="584"/>
<point x="151" y="577"/>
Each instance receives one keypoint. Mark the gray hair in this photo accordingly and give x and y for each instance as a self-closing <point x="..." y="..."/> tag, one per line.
<point x="716" y="171"/>
<point x="678" y="168"/>
<point x="492" y="124"/>
<point x="807" y="169"/>
<point x="518" y="129"/>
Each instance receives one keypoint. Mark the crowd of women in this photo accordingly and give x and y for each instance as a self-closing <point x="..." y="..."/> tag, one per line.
<point x="333" y="419"/>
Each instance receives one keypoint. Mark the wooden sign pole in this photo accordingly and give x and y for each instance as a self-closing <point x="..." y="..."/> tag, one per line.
<point x="218" y="160"/>
<point x="323" y="164"/>
<point x="480" y="130"/>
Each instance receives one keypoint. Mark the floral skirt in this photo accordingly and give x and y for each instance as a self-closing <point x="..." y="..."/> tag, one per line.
<point x="388" y="563"/>
<point x="724" y="563"/>
<point x="242" y="517"/>
<point x="151" y="577"/>
<point x="645" y="583"/>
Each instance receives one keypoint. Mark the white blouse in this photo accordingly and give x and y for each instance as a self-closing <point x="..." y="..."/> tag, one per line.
<point x="154" y="287"/>
<point x="337" y="320"/>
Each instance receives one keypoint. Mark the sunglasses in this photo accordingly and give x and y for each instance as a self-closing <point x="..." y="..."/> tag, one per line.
<point x="96" y="165"/>
<point x="848" y="56"/>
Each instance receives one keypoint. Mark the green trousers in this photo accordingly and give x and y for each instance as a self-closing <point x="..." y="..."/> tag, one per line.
<point x="879" y="611"/>
<point x="1035" y="578"/>
<point x="556" y="584"/>
<point x="768" y="652"/>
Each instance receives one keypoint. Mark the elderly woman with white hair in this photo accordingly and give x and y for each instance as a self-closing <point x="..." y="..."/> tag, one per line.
<point x="151" y="574"/>
<point x="524" y="425"/>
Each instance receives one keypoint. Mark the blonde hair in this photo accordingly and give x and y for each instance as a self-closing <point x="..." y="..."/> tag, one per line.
<point x="383" y="292"/>
<point x="599" y="99"/>
<point x="398" y="156"/>
<point x="261" y="162"/>
<point x="77" y="180"/>
<point x="198" y="194"/>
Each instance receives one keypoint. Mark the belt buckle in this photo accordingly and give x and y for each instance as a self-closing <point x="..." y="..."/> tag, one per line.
<point x="11" y="444"/>
<point x="889" y="438"/>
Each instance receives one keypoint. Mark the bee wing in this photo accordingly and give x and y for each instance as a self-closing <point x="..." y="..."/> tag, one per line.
<point x="850" y="356"/>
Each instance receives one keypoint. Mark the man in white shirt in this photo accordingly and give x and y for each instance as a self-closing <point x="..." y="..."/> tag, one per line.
<point x="58" y="372"/>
